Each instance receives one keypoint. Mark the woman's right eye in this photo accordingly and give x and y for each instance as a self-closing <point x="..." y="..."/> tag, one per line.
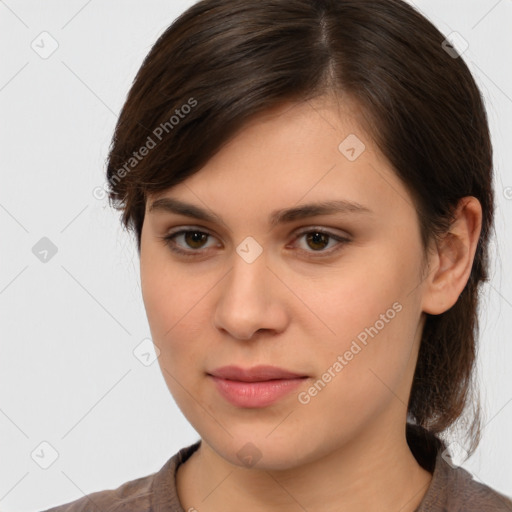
<point x="194" y="240"/>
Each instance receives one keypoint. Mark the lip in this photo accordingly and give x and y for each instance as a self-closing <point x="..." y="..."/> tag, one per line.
<point x="254" y="374"/>
<point x="254" y="387"/>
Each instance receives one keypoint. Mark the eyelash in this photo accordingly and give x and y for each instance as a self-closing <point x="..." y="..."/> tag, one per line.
<point x="169" y="242"/>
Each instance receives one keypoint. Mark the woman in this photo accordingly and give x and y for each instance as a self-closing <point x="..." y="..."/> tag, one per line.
<point x="310" y="186"/>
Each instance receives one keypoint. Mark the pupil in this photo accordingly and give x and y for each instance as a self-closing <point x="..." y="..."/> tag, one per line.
<point x="195" y="237"/>
<point x="317" y="238"/>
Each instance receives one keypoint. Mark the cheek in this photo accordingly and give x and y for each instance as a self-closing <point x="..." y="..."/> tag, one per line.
<point x="174" y="315"/>
<point x="352" y="297"/>
<point x="175" y="301"/>
<point x="174" y="311"/>
<point x="169" y="293"/>
<point x="364" y="372"/>
<point x="374" y="317"/>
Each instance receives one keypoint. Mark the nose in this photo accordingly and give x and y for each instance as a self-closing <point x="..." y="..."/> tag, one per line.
<point x="250" y="300"/>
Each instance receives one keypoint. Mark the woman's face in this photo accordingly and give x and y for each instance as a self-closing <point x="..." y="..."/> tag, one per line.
<point x="344" y="315"/>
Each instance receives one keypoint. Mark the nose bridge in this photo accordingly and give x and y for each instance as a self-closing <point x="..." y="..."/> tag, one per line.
<point x="246" y="281"/>
<point x="246" y="302"/>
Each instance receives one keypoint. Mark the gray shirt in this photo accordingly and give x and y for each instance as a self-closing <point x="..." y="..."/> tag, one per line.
<point x="451" y="489"/>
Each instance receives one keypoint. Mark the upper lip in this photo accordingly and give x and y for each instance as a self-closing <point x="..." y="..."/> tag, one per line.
<point x="254" y="374"/>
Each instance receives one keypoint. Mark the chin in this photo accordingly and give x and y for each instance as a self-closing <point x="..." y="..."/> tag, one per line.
<point x="263" y="452"/>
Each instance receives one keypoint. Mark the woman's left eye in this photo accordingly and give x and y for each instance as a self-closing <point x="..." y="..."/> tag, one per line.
<point x="316" y="239"/>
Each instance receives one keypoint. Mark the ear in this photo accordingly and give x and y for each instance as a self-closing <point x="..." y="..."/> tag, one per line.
<point x="451" y="260"/>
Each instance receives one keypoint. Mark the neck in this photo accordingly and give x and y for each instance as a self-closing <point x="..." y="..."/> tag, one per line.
<point x="372" y="473"/>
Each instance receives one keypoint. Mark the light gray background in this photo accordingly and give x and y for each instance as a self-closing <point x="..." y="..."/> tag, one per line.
<point x="68" y="374"/>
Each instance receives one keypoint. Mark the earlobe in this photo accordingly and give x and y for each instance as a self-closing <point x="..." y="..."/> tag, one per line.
<point x="452" y="258"/>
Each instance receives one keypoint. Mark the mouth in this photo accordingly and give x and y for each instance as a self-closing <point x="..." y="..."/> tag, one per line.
<point x="255" y="387"/>
<point x="255" y="374"/>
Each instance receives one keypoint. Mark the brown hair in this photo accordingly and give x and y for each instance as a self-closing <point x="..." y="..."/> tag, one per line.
<point x="223" y="61"/>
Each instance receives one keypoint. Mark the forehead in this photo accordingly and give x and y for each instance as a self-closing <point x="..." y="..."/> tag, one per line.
<point x="296" y="153"/>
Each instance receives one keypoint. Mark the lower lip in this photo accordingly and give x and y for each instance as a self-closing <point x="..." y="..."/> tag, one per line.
<point x="255" y="394"/>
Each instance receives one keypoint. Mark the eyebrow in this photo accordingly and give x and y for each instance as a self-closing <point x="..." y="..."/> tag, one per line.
<point x="171" y="205"/>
